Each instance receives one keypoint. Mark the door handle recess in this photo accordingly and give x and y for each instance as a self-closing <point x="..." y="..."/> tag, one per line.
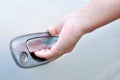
<point x="23" y="47"/>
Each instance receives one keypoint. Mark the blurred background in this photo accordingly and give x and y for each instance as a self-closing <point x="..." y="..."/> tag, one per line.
<point x="96" y="56"/>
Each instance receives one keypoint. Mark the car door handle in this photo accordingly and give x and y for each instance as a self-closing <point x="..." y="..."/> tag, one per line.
<point x="23" y="47"/>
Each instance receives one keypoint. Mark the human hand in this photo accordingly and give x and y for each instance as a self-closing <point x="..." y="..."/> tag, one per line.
<point x="69" y="32"/>
<point x="73" y="26"/>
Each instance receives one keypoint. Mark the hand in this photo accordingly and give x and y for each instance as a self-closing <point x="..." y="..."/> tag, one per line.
<point x="73" y="26"/>
<point x="69" y="33"/>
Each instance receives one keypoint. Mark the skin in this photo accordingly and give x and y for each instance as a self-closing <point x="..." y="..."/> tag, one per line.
<point x="73" y="26"/>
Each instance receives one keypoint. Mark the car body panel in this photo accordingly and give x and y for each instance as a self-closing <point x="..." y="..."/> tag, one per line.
<point x="95" y="57"/>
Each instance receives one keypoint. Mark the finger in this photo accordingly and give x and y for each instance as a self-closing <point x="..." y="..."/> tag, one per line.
<point x="47" y="54"/>
<point x="55" y="30"/>
<point x="42" y="53"/>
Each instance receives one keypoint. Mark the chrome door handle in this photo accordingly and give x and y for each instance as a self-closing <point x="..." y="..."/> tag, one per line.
<point x="23" y="48"/>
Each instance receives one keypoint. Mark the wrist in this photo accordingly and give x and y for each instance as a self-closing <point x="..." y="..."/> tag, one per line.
<point x="84" y="25"/>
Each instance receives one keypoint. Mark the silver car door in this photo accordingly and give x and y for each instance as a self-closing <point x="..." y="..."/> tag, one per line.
<point x="96" y="56"/>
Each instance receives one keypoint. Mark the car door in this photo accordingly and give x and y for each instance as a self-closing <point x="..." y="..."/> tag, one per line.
<point x="95" y="57"/>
